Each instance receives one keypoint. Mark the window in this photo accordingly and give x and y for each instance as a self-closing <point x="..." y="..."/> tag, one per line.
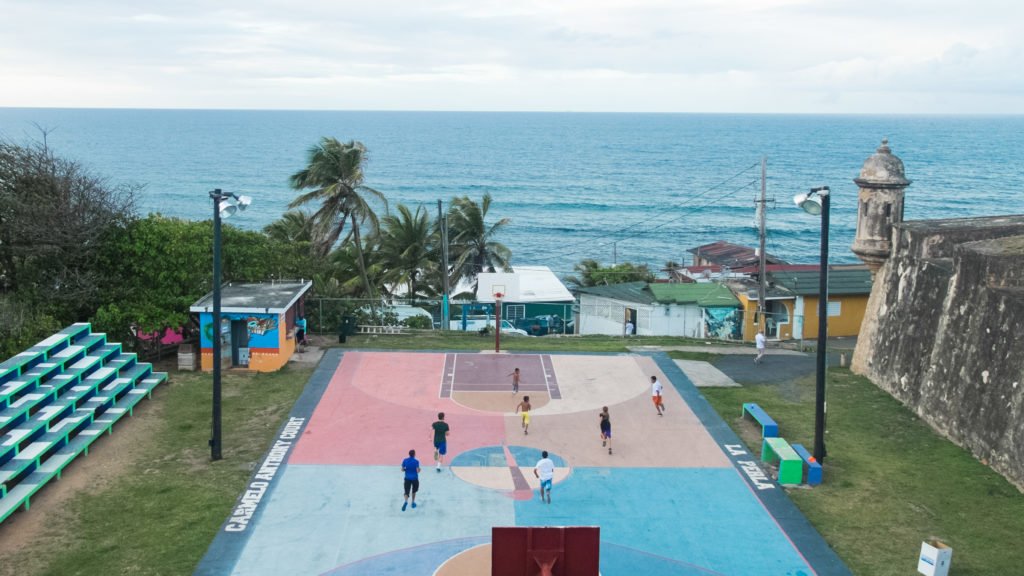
<point x="835" y="308"/>
<point x="515" y="312"/>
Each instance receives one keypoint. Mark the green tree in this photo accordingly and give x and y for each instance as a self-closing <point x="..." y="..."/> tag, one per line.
<point x="157" y="267"/>
<point x="54" y="214"/>
<point x="589" y="272"/>
<point x="293" y="226"/>
<point x="408" y="247"/>
<point x="472" y="240"/>
<point x="334" y="178"/>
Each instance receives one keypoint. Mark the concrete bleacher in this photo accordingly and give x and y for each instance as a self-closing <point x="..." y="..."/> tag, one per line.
<point x="56" y="399"/>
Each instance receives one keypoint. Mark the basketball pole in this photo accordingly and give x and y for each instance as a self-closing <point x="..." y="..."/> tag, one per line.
<point x="497" y="322"/>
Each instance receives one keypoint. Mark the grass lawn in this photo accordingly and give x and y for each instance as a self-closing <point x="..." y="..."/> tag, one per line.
<point x="165" y="502"/>
<point x="440" y="340"/>
<point x="890" y="482"/>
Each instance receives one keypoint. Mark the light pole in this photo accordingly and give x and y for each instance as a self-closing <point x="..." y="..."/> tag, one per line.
<point x="817" y="202"/>
<point x="224" y="205"/>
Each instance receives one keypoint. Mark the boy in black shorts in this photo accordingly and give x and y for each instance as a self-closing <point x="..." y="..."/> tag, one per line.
<point x="411" y="467"/>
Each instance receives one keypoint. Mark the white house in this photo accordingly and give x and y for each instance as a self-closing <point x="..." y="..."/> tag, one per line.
<point x="528" y="291"/>
<point x="702" y="310"/>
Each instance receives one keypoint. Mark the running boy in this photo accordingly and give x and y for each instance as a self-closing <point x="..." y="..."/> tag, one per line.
<point x="525" y="407"/>
<point x="606" y="428"/>
<point x="440" y="437"/>
<point x="515" y="380"/>
<point x="545" y="471"/>
<point x="411" y="467"/>
<point x="656" y="389"/>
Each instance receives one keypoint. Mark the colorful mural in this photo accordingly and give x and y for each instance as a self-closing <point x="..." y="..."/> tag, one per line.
<point x="262" y="330"/>
<point x="260" y="326"/>
<point x="723" y="323"/>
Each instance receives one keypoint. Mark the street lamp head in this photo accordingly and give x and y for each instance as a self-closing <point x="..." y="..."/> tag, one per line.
<point x="226" y="209"/>
<point x="243" y="201"/>
<point x="809" y="202"/>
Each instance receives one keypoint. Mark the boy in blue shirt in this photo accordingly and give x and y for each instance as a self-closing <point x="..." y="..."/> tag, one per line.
<point x="411" y="467"/>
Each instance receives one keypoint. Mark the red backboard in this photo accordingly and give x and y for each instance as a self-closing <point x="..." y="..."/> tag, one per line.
<point x="561" y="551"/>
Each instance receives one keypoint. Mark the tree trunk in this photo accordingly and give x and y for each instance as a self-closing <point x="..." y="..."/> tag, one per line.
<point x="361" y="262"/>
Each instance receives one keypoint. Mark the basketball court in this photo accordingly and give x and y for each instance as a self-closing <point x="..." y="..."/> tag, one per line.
<point x="680" y="494"/>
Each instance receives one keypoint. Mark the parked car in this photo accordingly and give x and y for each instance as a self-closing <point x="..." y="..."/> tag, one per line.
<point x="400" y="314"/>
<point x="478" y="324"/>
<point x="542" y="325"/>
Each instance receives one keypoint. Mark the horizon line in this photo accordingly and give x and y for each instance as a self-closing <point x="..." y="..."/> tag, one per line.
<point x="581" y="112"/>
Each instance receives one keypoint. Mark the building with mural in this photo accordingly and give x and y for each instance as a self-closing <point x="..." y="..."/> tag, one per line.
<point x="257" y="328"/>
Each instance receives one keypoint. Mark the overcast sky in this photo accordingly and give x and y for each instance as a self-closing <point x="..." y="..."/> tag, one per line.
<point x="813" y="56"/>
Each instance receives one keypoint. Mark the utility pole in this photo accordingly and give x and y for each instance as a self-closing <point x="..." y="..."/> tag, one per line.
<point x="762" y="279"/>
<point x="442" y="222"/>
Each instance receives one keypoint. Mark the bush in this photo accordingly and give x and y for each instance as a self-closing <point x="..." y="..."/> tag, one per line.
<point x="419" y="322"/>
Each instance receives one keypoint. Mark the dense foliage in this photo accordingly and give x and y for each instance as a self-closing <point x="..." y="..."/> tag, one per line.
<point x="590" y="272"/>
<point x="157" y="267"/>
<point x="73" y="249"/>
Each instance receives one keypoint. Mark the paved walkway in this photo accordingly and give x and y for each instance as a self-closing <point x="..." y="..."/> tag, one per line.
<point x="704" y="375"/>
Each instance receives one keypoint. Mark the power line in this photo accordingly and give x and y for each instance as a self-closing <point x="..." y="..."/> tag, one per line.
<point x="648" y="230"/>
<point x="562" y="249"/>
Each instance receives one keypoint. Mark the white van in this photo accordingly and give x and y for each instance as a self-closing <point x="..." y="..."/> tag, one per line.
<point x="477" y="324"/>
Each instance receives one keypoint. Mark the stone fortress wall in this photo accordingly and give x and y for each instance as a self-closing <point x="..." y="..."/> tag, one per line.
<point x="944" y="332"/>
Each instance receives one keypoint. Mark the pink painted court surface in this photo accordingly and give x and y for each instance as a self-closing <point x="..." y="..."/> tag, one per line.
<point x="671" y="499"/>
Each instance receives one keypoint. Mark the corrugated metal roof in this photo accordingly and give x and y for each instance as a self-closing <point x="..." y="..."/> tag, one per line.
<point x="627" y="292"/>
<point x="840" y="281"/>
<point x="731" y="255"/>
<point x="703" y="294"/>
<point x="524" y="284"/>
<point x="244" y="297"/>
<point x="749" y="288"/>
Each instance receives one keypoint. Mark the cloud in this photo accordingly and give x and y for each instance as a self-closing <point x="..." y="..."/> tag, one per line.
<point x="657" y="55"/>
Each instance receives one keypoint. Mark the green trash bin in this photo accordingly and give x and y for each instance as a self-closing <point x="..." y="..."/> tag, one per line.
<point x="346" y="328"/>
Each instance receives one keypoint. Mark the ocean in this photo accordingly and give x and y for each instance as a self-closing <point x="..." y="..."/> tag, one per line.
<point x="642" y="188"/>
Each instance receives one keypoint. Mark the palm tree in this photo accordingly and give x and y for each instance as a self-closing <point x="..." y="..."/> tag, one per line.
<point x="294" y="226"/>
<point x="335" y="176"/>
<point x="408" y="246"/>
<point x="346" y="272"/>
<point x="472" y="241"/>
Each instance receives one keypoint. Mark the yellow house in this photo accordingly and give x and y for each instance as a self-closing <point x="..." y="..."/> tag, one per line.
<point x="848" y="290"/>
<point x="779" y="306"/>
<point x="791" y="302"/>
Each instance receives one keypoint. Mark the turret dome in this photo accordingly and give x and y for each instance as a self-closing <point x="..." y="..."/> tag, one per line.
<point x="882" y="170"/>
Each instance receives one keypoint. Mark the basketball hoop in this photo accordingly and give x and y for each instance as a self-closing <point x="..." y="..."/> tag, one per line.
<point x="498" y="295"/>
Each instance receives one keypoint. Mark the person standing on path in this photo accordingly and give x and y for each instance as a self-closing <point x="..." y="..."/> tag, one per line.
<point x="300" y="333"/>
<point x="545" y="471"/>
<point x="606" y="428"/>
<point x="759" y="342"/>
<point x="525" y="407"/>
<point x="411" y="467"/>
<point x="515" y="381"/>
<point x="440" y="437"/>
<point x="656" y="390"/>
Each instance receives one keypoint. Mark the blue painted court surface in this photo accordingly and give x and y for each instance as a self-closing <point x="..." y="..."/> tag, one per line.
<point x="674" y="498"/>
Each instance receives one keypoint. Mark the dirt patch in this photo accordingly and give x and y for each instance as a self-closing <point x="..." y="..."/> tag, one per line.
<point x="50" y="518"/>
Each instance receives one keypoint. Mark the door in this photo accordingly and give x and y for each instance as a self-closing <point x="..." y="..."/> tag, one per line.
<point x="776" y="318"/>
<point x="239" y="343"/>
<point x="225" y="341"/>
